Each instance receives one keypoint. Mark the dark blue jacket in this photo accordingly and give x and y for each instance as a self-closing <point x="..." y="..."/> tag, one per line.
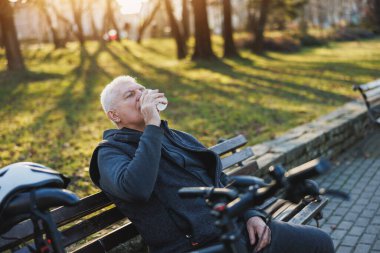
<point x="142" y="179"/>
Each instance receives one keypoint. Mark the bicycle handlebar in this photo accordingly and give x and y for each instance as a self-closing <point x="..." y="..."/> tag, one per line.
<point x="207" y="192"/>
<point x="308" y="170"/>
<point x="45" y="198"/>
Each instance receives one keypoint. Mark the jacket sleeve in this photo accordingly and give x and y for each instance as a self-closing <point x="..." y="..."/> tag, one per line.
<point x="132" y="179"/>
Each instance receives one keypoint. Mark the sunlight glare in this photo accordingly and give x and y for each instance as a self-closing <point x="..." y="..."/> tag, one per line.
<point x="130" y="6"/>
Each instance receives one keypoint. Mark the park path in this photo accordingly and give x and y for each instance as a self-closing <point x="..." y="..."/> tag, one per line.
<point x="354" y="225"/>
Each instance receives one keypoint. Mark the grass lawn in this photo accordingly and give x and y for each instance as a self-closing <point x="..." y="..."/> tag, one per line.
<point x="52" y="115"/>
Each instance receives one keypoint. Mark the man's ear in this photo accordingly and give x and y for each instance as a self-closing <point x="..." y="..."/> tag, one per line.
<point x="113" y="116"/>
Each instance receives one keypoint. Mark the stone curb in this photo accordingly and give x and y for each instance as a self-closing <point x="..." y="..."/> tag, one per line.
<point x="327" y="136"/>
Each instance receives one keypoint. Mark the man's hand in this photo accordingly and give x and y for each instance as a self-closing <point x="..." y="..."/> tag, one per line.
<point x="259" y="233"/>
<point x="148" y="106"/>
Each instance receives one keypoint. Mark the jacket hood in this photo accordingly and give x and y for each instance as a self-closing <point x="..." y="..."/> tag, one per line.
<point x="112" y="133"/>
<point x="124" y="131"/>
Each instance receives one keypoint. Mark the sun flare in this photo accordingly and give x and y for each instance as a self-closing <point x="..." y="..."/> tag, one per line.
<point x="130" y="6"/>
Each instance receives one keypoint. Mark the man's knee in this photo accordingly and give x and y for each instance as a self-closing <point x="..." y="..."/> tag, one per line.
<point x="326" y="243"/>
<point x="295" y="238"/>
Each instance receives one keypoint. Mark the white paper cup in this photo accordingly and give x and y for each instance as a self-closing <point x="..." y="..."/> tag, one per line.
<point x="160" y="106"/>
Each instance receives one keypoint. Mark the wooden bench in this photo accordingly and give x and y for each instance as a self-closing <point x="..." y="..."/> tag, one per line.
<point x="96" y="213"/>
<point x="371" y="95"/>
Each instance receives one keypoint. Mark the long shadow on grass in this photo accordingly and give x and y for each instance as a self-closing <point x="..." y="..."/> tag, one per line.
<point x="184" y="107"/>
<point x="209" y="88"/>
<point x="73" y="106"/>
<point x="277" y="86"/>
<point x="13" y="85"/>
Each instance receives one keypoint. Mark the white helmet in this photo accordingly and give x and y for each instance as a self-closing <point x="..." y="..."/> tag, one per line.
<point x="25" y="176"/>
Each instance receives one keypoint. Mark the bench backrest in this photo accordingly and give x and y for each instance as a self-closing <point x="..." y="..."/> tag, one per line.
<point x="99" y="220"/>
<point x="370" y="93"/>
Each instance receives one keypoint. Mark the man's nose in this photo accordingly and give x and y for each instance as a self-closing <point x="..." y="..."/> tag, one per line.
<point x="138" y="95"/>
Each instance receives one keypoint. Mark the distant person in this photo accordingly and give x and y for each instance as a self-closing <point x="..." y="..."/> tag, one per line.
<point x="143" y="163"/>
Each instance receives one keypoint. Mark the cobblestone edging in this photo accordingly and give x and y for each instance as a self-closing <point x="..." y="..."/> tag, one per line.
<point x="327" y="136"/>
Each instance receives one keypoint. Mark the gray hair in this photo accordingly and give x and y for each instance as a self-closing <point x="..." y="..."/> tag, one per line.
<point x="108" y="95"/>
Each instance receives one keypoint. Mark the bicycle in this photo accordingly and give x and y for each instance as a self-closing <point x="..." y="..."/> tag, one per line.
<point x="228" y="204"/>
<point x="27" y="191"/>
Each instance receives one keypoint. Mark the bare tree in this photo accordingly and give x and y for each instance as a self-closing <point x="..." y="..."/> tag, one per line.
<point x="75" y="27"/>
<point x="14" y="57"/>
<point x="259" y="27"/>
<point x="57" y="41"/>
<point x="95" y="33"/>
<point x="77" y="9"/>
<point x="203" y="48"/>
<point x="176" y="32"/>
<point x="185" y="19"/>
<point x="109" y="18"/>
<point x="374" y="9"/>
<point x="229" y="45"/>
<point x="146" y="22"/>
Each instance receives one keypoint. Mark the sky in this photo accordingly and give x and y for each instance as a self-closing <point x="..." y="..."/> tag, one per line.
<point x="130" y="6"/>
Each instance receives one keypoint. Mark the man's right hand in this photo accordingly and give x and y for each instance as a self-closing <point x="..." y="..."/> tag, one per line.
<point x="148" y="106"/>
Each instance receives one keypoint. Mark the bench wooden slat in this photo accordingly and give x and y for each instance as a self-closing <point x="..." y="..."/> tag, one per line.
<point x="61" y="216"/>
<point x="289" y="212"/>
<point x="282" y="209"/>
<point x="237" y="157"/>
<point x="309" y="211"/>
<point x="90" y="226"/>
<point x="107" y="242"/>
<point x="373" y="102"/>
<point x="369" y="86"/>
<point x="372" y="93"/>
<point x="229" y="145"/>
<point x="277" y="204"/>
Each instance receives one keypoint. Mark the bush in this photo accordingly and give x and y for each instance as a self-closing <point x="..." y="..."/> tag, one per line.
<point x="282" y="44"/>
<point x="351" y="33"/>
<point x="311" y="41"/>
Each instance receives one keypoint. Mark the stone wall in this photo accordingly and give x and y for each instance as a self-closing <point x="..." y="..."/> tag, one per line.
<point x="327" y="136"/>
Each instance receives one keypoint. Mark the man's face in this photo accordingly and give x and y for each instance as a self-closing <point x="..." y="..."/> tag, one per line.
<point x="127" y="106"/>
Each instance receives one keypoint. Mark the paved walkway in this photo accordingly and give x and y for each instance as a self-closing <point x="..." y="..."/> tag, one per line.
<point x="355" y="225"/>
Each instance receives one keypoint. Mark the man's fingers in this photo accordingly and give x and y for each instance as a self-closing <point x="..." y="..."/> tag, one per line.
<point x="265" y="238"/>
<point x="252" y="235"/>
<point x="143" y="95"/>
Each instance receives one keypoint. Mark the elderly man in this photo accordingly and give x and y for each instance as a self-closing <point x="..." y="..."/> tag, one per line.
<point x="142" y="164"/>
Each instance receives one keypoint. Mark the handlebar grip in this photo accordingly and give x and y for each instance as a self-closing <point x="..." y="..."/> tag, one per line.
<point x="308" y="170"/>
<point x="246" y="181"/>
<point x="207" y="192"/>
<point x="194" y="192"/>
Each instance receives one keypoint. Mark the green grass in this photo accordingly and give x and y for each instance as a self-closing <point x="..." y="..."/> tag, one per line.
<point x="52" y="115"/>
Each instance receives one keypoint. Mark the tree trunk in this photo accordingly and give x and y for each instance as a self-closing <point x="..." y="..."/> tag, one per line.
<point x="10" y="40"/>
<point x="203" y="48"/>
<point x="374" y="7"/>
<point x="185" y="19"/>
<point x="229" y="45"/>
<point x="147" y="22"/>
<point x="77" y="13"/>
<point x="303" y="26"/>
<point x="258" y="43"/>
<point x="111" y="18"/>
<point x="58" y="43"/>
<point x="176" y="32"/>
<point x="95" y="33"/>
